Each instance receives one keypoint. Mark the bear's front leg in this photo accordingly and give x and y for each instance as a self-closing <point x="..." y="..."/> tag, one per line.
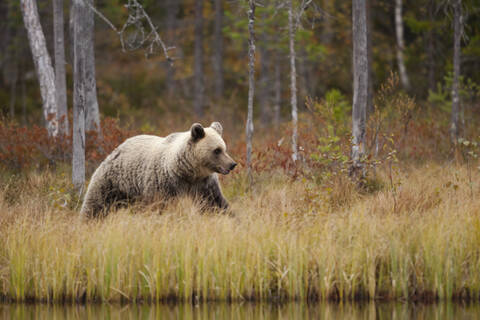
<point x="211" y="193"/>
<point x="100" y="196"/>
<point x="94" y="201"/>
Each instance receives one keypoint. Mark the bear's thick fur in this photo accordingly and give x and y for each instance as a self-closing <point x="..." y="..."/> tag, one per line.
<point x="148" y="168"/>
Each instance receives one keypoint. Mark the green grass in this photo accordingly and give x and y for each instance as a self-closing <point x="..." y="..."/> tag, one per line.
<point x="288" y="240"/>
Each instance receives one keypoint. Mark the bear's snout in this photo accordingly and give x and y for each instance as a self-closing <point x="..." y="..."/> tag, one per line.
<point x="232" y="166"/>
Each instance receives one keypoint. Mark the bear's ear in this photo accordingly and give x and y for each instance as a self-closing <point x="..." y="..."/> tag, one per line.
<point x="217" y="127"/>
<point x="197" y="132"/>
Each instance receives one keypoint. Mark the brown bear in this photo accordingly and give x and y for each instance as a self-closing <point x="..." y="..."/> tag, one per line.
<point x="148" y="168"/>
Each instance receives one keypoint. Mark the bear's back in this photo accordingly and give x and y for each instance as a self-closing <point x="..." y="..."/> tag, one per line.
<point x="145" y="147"/>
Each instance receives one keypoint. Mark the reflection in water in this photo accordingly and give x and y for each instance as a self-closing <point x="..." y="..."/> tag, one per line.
<point x="242" y="311"/>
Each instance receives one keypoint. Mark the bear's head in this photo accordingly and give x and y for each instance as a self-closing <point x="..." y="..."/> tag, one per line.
<point x="210" y="150"/>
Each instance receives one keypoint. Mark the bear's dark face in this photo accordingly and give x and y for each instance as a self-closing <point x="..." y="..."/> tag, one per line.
<point x="210" y="149"/>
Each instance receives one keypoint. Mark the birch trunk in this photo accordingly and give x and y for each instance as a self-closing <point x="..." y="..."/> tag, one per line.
<point x="24" y="100"/>
<point x="218" y="45"/>
<point x="43" y="64"/>
<point x="360" y="81"/>
<point x="172" y="11"/>
<point x="92" y="113"/>
<point x="327" y="33"/>
<point x="264" y="83"/>
<point x="199" y="87"/>
<point x="431" y="48"/>
<point x="370" y="58"/>
<point x="251" y="85"/>
<point x="278" y="91"/>
<point x="13" y="89"/>
<point x="431" y="60"/>
<point x="80" y="52"/>
<point x="400" y="45"/>
<point x="457" y="34"/>
<point x="293" y="80"/>
<point x="60" y="76"/>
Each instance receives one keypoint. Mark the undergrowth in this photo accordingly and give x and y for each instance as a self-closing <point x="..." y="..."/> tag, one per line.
<point x="289" y="240"/>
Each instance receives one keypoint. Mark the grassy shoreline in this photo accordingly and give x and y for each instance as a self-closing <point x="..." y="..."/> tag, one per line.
<point x="289" y="240"/>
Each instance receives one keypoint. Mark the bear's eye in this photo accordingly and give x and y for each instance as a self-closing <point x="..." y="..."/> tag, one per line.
<point x="217" y="151"/>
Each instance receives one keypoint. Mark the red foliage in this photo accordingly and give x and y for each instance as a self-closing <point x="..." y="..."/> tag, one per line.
<point x="31" y="147"/>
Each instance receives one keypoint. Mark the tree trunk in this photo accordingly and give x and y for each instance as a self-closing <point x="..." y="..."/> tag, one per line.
<point x="457" y="34"/>
<point x="264" y="83"/>
<point x="400" y="45"/>
<point x="60" y="76"/>
<point x="293" y="80"/>
<point x="251" y="85"/>
<point x="370" y="57"/>
<point x="431" y="48"/>
<point x="43" y="64"/>
<point x="360" y="82"/>
<point x="218" y="50"/>
<point x="92" y="113"/>
<point x="80" y="53"/>
<point x="13" y="89"/>
<point x="278" y="90"/>
<point x="24" y="101"/>
<point x="327" y="33"/>
<point x="172" y="11"/>
<point x="302" y="83"/>
<point x="431" y="61"/>
<point x="198" y="99"/>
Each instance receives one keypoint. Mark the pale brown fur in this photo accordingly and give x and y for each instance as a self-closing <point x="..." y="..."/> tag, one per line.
<point x="148" y="168"/>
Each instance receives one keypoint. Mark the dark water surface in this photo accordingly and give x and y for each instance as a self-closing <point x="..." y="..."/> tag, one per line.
<point x="368" y="311"/>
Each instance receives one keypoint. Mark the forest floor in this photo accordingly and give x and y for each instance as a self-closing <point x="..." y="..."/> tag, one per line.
<point x="415" y="237"/>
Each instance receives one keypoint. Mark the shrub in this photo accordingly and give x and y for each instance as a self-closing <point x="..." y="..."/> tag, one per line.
<point x="23" y="148"/>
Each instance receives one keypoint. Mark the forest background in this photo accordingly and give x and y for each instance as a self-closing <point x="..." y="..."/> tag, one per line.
<point x="208" y="77"/>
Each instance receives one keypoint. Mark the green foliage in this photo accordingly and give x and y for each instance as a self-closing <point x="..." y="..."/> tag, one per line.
<point x="473" y="46"/>
<point x="339" y="105"/>
<point x="469" y="91"/>
<point x="440" y="98"/>
<point x="314" y="49"/>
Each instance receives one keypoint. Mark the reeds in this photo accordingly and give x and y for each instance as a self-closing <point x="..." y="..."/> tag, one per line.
<point x="288" y="240"/>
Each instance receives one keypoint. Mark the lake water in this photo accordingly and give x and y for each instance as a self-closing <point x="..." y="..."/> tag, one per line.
<point x="368" y="311"/>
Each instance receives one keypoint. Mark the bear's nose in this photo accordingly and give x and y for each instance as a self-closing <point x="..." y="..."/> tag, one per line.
<point x="232" y="166"/>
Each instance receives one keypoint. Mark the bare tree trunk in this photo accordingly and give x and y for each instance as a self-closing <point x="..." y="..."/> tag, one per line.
<point x="199" y="88"/>
<point x="431" y="60"/>
<point x="360" y="82"/>
<point x="431" y="48"/>
<point x="370" y="58"/>
<point x="278" y="90"/>
<point x="24" y="101"/>
<point x="457" y="34"/>
<point x="327" y="33"/>
<point x="92" y="113"/>
<point x="80" y="53"/>
<point x="60" y="76"/>
<point x="251" y="85"/>
<point x="13" y="89"/>
<point x="218" y="47"/>
<point x="302" y="82"/>
<point x="400" y="45"/>
<point x="293" y="80"/>
<point x="172" y="11"/>
<point x="43" y="64"/>
<point x="264" y="84"/>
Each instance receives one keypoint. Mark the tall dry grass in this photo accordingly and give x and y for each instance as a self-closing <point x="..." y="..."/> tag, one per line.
<point x="288" y="240"/>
